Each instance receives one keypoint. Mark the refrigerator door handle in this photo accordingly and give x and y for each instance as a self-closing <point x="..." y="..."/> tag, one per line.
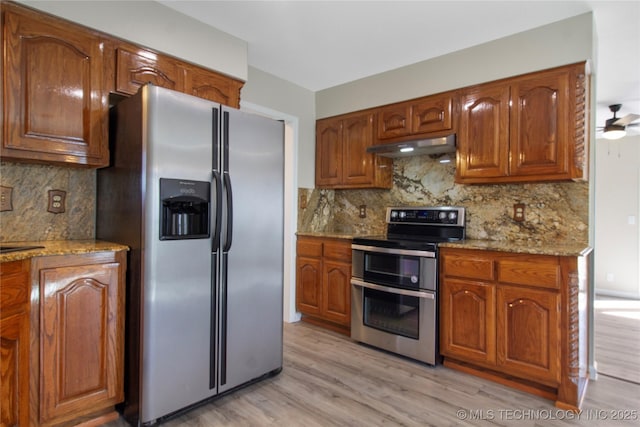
<point x="213" y="321"/>
<point x="217" y="179"/>
<point x="223" y="320"/>
<point x="229" y="192"/>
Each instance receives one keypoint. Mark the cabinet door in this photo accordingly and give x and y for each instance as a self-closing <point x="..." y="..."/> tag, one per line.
<point x="209" y="85"/>
<point x="433" y="114"/>
<point x="309" y="285"/>
<point x="337" y="291"/>
<point x="540" y="120"/>
<point x="467" y="320"/>
<point x="528" y="333"/>
<point x="328" y="152"/>
<point x="136" y="67"/>
<point x="14" y="370"/>
<point x="358" y="165"/>
<point x="55" y="91"/>
<point x="394" y="121"/>
<point x="80" y="340"/>
<point x="483" y="142"/>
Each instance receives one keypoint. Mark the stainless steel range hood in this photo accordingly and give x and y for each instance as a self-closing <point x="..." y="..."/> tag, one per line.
<point x="445" y="144"/>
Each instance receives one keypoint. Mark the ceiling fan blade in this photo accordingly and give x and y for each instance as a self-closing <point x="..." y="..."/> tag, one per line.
<point x="624" y="121"/>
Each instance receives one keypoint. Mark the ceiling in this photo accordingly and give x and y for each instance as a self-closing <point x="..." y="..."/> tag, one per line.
<point x="320" y="44"/>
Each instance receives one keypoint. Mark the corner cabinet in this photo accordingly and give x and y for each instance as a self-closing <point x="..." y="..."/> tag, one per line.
<point x="14" y="343"/>
<point x="78" y="319"/>
<point x="55" y="101"/>
<point x="528" y="128"/>
<point x="516" y="319"/>
<point x="342" y="160"/>
<point x="323" y="282"/>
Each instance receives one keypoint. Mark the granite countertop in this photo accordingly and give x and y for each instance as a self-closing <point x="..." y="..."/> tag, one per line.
<point x="328" y="235"/>
<point x="59" y="247"/>
<point x="534" y="248"/>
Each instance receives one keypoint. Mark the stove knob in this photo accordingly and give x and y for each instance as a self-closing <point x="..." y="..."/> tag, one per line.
<point x="403" y="214"/>
<point x="442" y="215"/>
<point x="394" y="214"/>
<point x="453" y="215"/>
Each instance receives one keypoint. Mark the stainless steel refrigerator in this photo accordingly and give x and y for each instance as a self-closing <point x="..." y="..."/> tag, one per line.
<point x="195" y="190"/>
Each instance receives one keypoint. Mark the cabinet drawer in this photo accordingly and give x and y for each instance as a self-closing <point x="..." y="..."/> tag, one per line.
<point x="15" y="284"/>
<point x="309" y="247"/>
<point x="468" y="265"/>
<point x="541" y="271"/>
<point x="338" y="250"/>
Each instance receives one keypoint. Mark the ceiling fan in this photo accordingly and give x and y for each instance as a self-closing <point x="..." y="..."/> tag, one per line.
<point x="615" y="127"/>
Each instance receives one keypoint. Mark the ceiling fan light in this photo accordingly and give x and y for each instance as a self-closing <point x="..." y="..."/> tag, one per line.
<point x="614" y="132"/>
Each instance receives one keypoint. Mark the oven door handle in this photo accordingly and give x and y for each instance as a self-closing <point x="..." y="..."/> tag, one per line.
<point x="395" y="251"/>
<point x="391" y="290"/>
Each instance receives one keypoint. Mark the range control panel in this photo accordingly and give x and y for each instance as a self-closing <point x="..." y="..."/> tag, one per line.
<point x="443" y="215"/>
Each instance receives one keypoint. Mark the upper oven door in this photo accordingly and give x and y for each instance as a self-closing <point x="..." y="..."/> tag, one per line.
<point x="410" y="269"/>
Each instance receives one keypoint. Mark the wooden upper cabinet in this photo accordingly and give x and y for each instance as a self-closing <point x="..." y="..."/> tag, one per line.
<point x="136" y="67"/>
<point x="539" y="134"/>
<point x="357" y="135"/>
<point x="394" y="121"/>
<point x="432" y="114"/>
<point x="328" y="153"/>
<point x="419" y="117"/>
<point x="342" y="160"/>
<point x="212" y="86"/>
<point x="483" y="138"/>
<point x="55" y="96"/>
<point x="526" y="128"/>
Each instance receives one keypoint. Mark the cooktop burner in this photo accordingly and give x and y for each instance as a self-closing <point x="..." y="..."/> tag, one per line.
<point x="419" y="228"/>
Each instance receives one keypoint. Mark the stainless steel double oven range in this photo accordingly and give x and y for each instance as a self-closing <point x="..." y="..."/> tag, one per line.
<point x="394" y="284"/>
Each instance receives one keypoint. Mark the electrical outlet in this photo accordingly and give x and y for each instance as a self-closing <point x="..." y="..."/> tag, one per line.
<point x="6" y="198"/>
<point x="518" y="212"/>
<point x="363" y="211"/>
<point x="303" y="201"/>
<point x="56" y="201"/>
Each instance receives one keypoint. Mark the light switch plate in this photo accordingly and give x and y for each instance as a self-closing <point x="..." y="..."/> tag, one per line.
<point x="6" y="198"/>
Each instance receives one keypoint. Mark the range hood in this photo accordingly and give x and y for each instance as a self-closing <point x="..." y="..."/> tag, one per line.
<point x="445" y="144"/>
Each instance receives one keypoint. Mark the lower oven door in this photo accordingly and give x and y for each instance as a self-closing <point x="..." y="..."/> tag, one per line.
<point x="398" y="320"/>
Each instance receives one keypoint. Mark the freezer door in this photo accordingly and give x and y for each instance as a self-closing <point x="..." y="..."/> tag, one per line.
<point x="251" y="321"/>
<point x="177" y="273"/>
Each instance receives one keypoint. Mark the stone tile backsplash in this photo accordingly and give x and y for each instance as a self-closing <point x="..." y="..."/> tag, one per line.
<point x="29" y="220"/>
<point x="554" y="212"/>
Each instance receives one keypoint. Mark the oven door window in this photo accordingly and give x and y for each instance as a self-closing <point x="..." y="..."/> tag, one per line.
<point x="397" y="314"/>
<point x="392" y="269"/>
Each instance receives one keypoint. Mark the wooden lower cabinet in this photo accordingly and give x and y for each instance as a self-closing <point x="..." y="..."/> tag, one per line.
<point x="528" y="325"/>
<point x="78" y="323"/>
<point x="516" y="319"/>
<point x="323" y="282"/>
<point x="14" y="343"/>
<point x="470" y="306"/>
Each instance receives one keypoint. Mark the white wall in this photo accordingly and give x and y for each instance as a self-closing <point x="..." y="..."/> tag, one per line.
<point x="270" y="91"/>
<point x="617" y="234"/>
<point x="153" y="25"/>
<point x="560" y="43"/>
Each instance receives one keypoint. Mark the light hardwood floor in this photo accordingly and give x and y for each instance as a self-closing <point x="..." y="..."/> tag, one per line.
<point x="329" y="380"/>
<point x="617" y="329"/>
